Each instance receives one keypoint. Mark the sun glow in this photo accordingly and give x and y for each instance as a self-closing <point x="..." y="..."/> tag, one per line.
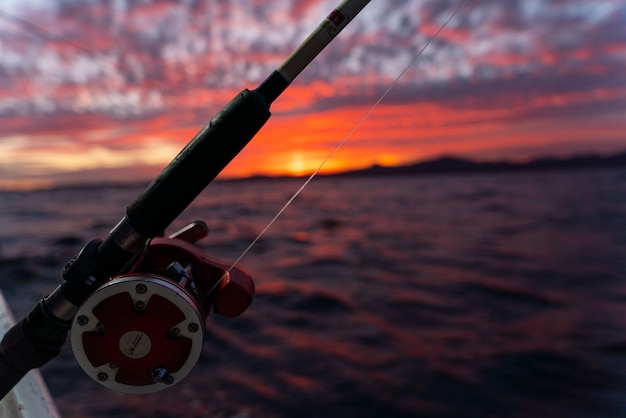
<point x="297" y="165"/>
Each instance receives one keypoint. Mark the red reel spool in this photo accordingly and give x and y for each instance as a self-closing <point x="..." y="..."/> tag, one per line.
<point x="143" y="331"/>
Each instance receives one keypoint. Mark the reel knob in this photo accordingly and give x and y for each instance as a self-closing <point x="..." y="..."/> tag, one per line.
<point x="138" y="333"/>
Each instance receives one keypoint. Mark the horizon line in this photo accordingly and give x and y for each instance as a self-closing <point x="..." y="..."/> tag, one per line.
<point x="31" y="185"/>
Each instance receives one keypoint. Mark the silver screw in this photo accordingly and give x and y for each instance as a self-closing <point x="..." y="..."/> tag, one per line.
<point x="141" y="288"/>
<point x="99" y="326"/>
<point x="175" y="331"/>
<point x="102" y="376"/>
<point x="82" y="320"/>
<point x="140" y="304"/>
<point x="193" y="327"/>
<point x="161" y="374"/>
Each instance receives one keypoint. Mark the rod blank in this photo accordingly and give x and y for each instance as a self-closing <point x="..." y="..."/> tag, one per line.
<point x="320" y="38"/>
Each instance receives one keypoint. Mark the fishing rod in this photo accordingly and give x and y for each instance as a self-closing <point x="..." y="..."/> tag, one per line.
<point x="135" y="303"/>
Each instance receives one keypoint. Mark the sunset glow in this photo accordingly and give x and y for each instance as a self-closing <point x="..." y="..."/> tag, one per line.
<point x="112" y="91"/>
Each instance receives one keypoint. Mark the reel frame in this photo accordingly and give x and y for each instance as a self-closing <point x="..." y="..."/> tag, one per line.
<point x="142" y="331"/>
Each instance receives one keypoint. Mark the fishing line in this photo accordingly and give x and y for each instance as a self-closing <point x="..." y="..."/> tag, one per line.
<point x="341" y="143"/>
<point x="41" y="33"/>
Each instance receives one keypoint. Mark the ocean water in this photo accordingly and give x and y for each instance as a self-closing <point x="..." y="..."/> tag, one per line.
<point x="500" y="295"/>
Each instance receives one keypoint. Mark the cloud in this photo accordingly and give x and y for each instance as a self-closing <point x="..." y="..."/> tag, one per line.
<point x="119" y="73"/>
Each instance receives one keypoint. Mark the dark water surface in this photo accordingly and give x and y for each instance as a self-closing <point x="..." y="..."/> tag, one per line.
<point x="449" y="296"/>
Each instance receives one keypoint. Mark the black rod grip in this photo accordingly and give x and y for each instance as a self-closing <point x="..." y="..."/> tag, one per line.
<point x="204" y="157"/>
<point x="30" y="344"/>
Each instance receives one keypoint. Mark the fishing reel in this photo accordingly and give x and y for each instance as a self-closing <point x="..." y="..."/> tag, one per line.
<point x="143" y="331"/>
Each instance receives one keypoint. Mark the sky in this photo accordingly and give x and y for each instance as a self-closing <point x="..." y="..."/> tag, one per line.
<point x="98" y="90"/>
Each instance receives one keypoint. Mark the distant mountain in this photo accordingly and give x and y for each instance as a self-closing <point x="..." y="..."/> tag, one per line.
<point x="460" y="165"/>
<point x="441" y="165"/>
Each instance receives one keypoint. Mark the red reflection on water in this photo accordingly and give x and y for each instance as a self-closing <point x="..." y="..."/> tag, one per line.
<point x="300" y="382"/>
